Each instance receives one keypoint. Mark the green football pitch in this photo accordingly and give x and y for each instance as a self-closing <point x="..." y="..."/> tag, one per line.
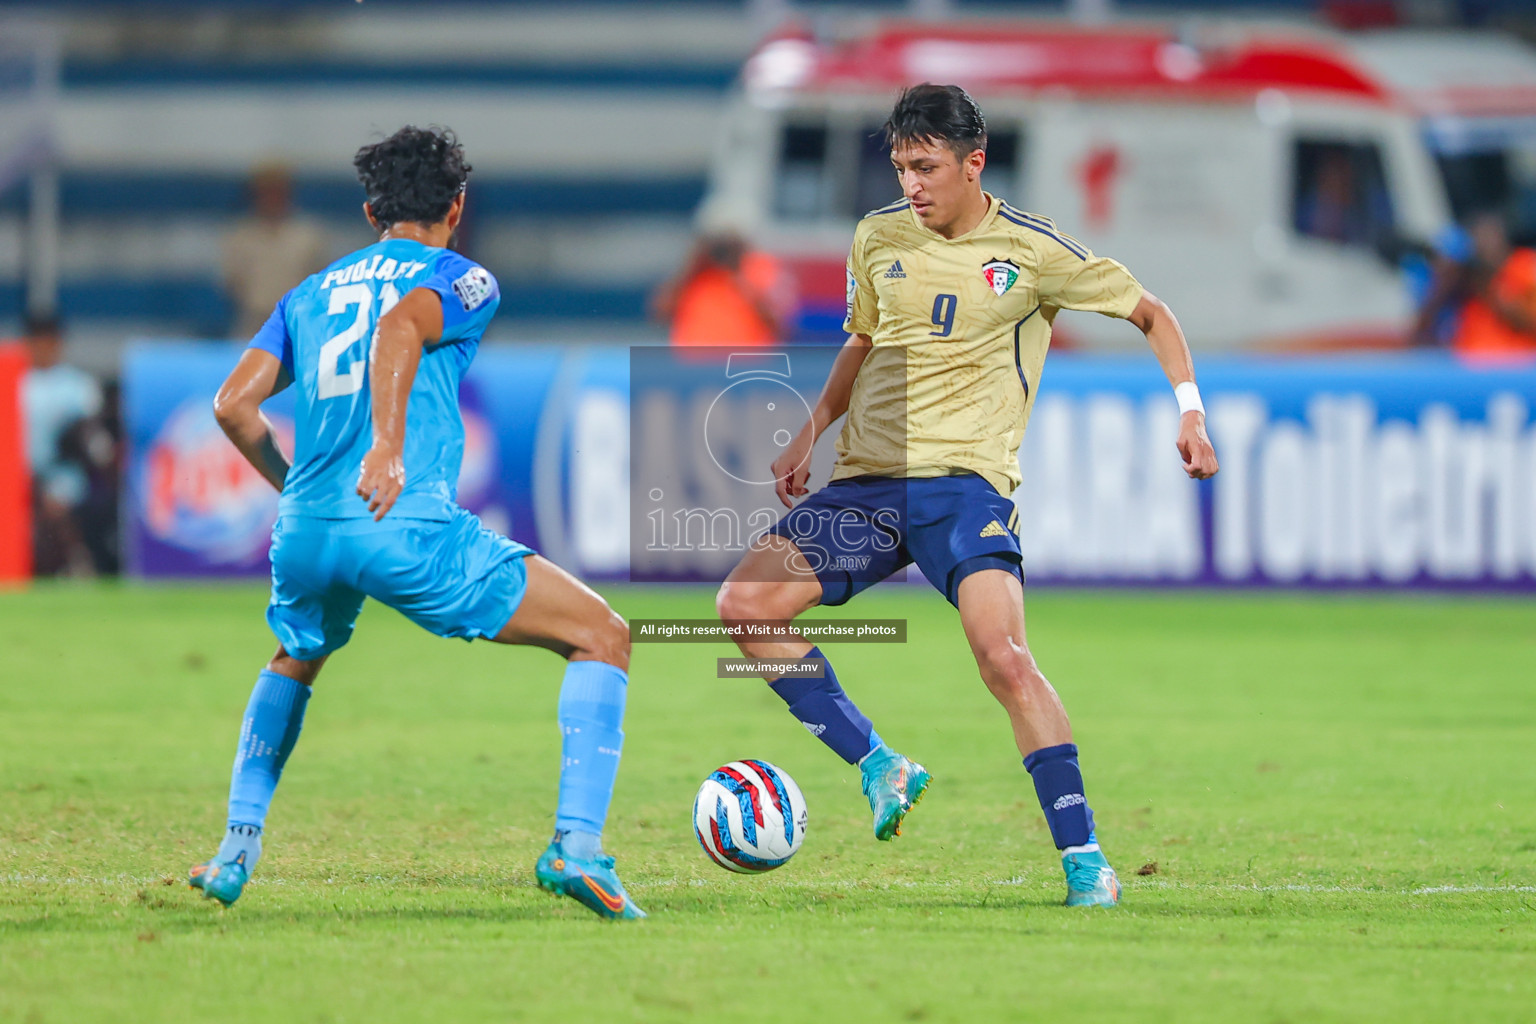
<point x="1321" y="809"/>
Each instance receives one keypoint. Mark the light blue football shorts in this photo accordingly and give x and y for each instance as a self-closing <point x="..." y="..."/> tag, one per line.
<point x="452" y="577"/>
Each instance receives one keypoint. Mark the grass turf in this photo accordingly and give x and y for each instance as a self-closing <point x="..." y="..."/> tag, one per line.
<point x="1337" y="796"/>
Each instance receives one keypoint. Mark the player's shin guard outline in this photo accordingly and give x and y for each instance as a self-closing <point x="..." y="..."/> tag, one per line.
<point x="591" y="715"/>
<point x="273" y="719"/>
<point x="1059" y="785"/>
<point x="825" y="710"/>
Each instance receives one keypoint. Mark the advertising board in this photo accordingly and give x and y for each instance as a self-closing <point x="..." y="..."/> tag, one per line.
<point x="1381" y="471"/>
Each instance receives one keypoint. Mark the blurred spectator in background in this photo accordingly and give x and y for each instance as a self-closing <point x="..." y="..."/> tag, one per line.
<point x="1439" y="283"/>
<point x="95" y="445"/>
<point x="1499" y="318"/>
<point x="72" y="452"/>
<point x="270" y="251"/>
<point x="1335" y="204"/>
<point x="726" y="294"/>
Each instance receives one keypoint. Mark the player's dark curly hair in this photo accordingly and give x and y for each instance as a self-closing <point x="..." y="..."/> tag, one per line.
<point x="937" y="113"/>
<point x="413" y="176"/>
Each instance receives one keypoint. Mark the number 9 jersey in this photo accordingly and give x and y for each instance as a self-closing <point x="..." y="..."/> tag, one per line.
<point x="323" y="331"/>
<point x="960" y="329"/>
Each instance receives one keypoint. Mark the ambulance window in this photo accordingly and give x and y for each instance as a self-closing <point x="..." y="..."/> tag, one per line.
<point x="1502" y="179"/>
<point x="1474" y="181"/>
<point x="1340" y="193"/>
<point x="1001" y="176"/>
<point x="1521" y="201"/>
<point x="877" y="184"/>
<point x="802" y="190"/>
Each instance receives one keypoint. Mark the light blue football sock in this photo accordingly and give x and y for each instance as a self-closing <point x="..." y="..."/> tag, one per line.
<point x="591" y="717"/>
<point x="241" y="843"/>
<point x="579" y="845"/>
<point x="271" y="727"/>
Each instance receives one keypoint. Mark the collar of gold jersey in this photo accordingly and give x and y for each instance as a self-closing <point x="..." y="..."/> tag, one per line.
<point x="993" y="205"/>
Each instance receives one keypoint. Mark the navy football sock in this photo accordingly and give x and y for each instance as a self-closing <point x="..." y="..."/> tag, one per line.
<point x="273" y="718"/>
<point x="824" y="709"/>
<point x="1059" y="785"/>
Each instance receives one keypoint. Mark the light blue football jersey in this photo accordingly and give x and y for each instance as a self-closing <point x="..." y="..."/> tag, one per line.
<point x="323" y="331"/>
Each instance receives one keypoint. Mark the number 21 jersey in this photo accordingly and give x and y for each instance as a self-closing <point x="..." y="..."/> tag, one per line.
<point x="323" y="332"/>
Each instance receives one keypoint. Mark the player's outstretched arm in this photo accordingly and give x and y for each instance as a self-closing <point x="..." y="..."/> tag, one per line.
<point x="397" y="344"/>
<point x="1161" y="327"/>
<point x="793" y="465"/>
<point x="257" y="377"/>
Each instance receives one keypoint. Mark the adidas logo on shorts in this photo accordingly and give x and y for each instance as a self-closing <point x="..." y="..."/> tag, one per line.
<point x="993" y="529"/>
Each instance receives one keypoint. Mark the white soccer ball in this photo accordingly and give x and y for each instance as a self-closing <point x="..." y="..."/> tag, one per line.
<point x="749" y="816"/>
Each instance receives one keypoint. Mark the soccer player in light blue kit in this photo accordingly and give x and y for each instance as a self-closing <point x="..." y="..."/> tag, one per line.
<point x="375" y="344"/>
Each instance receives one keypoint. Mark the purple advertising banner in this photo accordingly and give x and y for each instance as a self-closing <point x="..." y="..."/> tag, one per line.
<point x="192" y="505"/>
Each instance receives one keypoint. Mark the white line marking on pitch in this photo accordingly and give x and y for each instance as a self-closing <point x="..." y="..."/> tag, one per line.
<point x="875" y="886"/>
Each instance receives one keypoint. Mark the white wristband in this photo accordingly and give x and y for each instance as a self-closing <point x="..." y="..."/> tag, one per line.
<point x="1188" y="395"/>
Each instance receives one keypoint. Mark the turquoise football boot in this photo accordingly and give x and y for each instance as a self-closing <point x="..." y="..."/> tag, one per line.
<point x="1091" y="882"/>
<point x="894" y="784"/>
<point x="221" y="880"/>
<point x="592" y="883"/>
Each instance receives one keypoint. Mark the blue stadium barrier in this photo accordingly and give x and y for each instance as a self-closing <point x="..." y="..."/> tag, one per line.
<point x="84" y="194"/>
<point x="319" y="74"/>
<point x="1471" y="11"/>
<point x="201" y="307"/>
<point x="311" y="6"/>
<point x="197" y="306"/>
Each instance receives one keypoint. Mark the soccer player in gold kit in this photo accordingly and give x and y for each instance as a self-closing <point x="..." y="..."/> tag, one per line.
<point x="951" y="295"/>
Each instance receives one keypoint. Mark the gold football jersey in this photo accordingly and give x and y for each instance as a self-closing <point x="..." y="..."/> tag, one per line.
<point x="960" y="329"/>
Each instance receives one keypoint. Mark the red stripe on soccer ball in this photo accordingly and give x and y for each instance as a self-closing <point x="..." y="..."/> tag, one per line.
<point x="773" y="791"/>
<point x="704" y="842"/>
<point x="757" y="807"/>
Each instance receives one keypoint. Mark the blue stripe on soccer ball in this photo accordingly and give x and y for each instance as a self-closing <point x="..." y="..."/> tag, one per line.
<point x="698" y="834"/>
<point x="743" y="845"/>
<point x="735" y="853"/>
<point x="780" y="797"/>
<point x="746" y="796"/>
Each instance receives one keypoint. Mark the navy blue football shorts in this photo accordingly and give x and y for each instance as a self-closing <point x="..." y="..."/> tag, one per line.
<point x="856" y="532"/>
<point x="452" y="577"/>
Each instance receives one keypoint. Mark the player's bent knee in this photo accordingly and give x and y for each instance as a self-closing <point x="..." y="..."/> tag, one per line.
<point x="285" y="664"/>
<point x="1015" y="694"/>
<point x="1009" y="669"/>
<point x="608" y="642"/>
<point x="738" y="602"/>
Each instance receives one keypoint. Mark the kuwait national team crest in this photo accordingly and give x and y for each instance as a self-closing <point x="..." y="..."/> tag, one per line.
<point x="1001" y="274"/>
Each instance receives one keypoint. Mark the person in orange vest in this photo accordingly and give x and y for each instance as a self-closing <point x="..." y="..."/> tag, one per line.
<point x="1499" y="318"/>
<point x="726" y="295"/>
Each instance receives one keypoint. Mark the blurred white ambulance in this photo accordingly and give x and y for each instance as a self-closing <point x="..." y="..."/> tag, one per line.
<point x="1271" y="185"/>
